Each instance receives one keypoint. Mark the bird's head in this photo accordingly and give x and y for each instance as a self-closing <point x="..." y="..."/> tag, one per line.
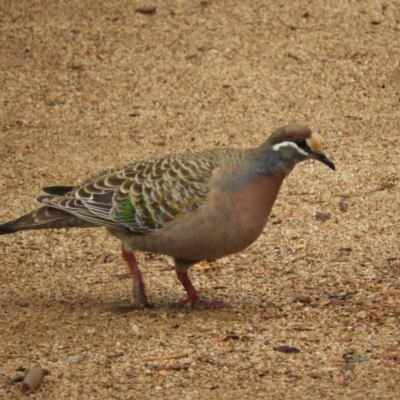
<point x="292" y="144"/>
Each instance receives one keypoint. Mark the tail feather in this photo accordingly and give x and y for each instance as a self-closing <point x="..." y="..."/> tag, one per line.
<point x="44" y="218"/>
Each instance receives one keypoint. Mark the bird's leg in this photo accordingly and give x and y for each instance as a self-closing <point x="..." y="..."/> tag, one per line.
<point x="136" y="275"/>
<point x="182" y="268"/>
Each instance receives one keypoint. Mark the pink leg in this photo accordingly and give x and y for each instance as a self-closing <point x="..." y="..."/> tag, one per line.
<point x="138" y="284"/>
<point x="193" y="298"/>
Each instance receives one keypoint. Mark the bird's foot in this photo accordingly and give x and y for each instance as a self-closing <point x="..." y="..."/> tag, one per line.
<point x="199" y="303"/>
<point x="140" y="295"/>
<point x="142" y="305"/>
<point x="193" y="298"/>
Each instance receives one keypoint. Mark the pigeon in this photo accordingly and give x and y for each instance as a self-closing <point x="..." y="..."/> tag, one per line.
<point x="192" y="206"/>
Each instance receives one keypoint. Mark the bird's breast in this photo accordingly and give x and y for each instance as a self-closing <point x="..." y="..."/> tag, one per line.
<point x="229" y="222"/>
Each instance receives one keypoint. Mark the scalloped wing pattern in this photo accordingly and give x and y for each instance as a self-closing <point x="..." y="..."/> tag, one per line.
<point x="143" y="196"/>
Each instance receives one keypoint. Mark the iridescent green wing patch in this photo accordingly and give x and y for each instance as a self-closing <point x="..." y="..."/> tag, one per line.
<point x="128" y="211"/>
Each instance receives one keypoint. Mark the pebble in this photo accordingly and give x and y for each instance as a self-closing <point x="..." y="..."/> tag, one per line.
<point x="72" y="359"/>
<point x="33" y="379"/>
<point x="146" y="9"/>
<point x="322" y="216"/>
<point x="361" y="314"/>
<point x="286" y="349"/>
<point x="353" y="358"/>
<point x="342" y="206"/>
<point x="302" y="299"/>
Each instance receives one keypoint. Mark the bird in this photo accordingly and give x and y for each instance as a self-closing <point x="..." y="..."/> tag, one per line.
<point x="192" y="206"/>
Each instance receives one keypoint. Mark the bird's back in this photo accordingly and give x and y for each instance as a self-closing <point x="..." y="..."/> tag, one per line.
<point x="139" y="197"/>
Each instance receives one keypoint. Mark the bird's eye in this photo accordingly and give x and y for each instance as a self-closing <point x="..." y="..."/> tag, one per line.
<point x="300" y="142"/>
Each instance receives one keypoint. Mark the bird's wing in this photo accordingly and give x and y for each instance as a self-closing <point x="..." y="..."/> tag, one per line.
<point x="143" y="196"/>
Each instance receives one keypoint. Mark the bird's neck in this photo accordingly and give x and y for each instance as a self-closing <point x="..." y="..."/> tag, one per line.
<point x="254" y="164"/>
<point x="268" y="162"/>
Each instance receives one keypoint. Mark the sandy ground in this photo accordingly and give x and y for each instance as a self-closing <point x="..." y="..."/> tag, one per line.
<point x="85" y="86"/>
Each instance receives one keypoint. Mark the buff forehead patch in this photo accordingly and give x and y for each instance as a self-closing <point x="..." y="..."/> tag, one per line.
<point x="314" y="142"/>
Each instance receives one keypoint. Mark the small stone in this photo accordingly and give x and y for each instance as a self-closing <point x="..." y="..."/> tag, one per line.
<point x="72" y="359"/>
<point x="361" y="314"/>
<point x="322" y="216"/>
<point x="302" y="299"/>
<point x="115" y="355"/>
<point x="354" y="358"/>
<point x="342" y="206"/>
<point x="33" y="379"/>
<point x="345" y="251"/>
<point x="146" y="9"/>
<point x="286" y="349"/>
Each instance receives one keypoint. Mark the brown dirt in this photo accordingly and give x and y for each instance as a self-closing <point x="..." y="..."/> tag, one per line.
<point x="85" y="86"/>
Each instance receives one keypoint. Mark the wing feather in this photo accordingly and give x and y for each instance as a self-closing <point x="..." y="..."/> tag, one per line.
<point x="140" y="197"/>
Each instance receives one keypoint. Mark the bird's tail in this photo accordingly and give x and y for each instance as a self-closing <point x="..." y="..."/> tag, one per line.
<point x="43" y="218"/>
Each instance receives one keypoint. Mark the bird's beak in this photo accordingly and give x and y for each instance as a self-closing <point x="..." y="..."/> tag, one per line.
<point x="318" y="155"/>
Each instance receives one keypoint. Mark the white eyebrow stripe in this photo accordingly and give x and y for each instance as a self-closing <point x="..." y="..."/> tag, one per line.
<point x="276" y="147"/>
